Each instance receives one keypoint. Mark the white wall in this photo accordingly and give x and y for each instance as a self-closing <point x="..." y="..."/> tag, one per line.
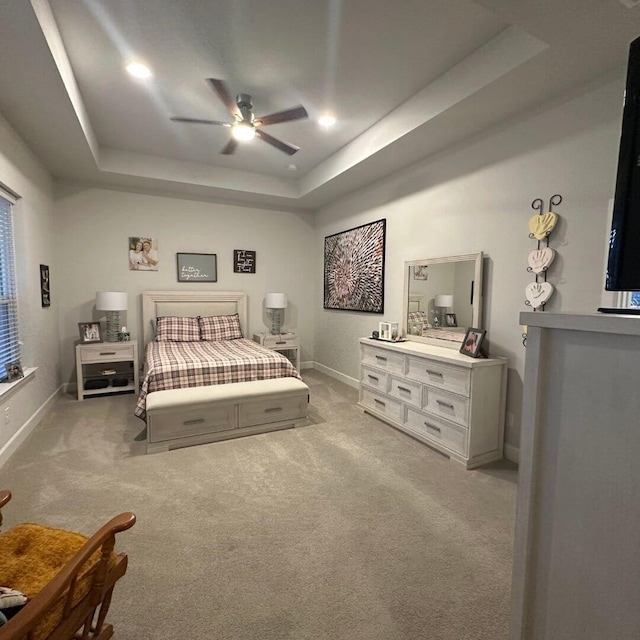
<point x="22" y="173"/>
<point x="478" y="197"/>
<point x="92" y="231"/>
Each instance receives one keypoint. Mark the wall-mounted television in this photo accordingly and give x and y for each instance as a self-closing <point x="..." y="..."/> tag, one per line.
<point x="623" y="267"/>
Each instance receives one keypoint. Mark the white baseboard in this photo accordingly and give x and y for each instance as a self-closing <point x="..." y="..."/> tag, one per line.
<point x="352" y="382"/>
<point x="512" y="453"/>
<point x="21" y="434"/>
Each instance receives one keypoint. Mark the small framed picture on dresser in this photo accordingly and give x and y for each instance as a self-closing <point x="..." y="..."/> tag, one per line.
<point x="472" y="342"/>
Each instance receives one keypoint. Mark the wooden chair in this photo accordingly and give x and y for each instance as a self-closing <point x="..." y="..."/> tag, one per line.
<point x="68" y="579"/>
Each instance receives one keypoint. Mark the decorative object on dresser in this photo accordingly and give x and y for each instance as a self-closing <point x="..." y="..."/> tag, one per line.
<point x="113" y="302"/>
<point x="197" y="267"/>
<point x="538" y="292"/>
<point x="244" y="261"/>
<point x="90" y="332"/>
<point x="104" y="368"/>
<point x="354" y="268"/>
<point x="432" y="317"/>
<point x="448" y="401"/>
<point x="276" y="303"/>
<point x="286" y="343"/>
<point x="45" y="286"/>
<point x="388" y="330"/>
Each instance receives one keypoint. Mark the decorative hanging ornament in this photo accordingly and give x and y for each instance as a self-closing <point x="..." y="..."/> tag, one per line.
<point x="542" y="225"/>
<point x="538" y="293"/>
<point x="540" y="259"/>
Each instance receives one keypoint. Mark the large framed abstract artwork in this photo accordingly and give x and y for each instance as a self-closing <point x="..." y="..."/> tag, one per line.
<point x="354" y="268"/>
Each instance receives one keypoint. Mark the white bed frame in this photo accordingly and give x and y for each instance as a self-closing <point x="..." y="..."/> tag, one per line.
<point x="219" y="412"/>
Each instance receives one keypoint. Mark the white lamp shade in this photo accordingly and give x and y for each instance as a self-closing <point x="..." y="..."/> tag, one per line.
<point x="111" y="300"/>
<point x="276" y="301"/>
<point x="443" y="300"/>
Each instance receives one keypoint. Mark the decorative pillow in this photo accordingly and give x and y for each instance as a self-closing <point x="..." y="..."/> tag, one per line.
<point x="419" y="318"/>
<point x="216" y="328"/>
<point x="176" y="329"/>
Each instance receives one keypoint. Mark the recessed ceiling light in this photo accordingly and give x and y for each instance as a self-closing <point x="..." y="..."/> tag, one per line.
<point x="139" y="70"/>
<point x="326" y="121"/>
<point x="292" y="167"/>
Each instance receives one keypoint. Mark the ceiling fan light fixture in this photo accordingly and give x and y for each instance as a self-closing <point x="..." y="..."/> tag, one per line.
<point x="138" y="70"/>
<point x="243" y="131"/>
<point x="326" y="121"/>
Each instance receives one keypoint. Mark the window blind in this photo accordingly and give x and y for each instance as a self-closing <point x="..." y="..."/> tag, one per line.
<point x="9" y="335"/>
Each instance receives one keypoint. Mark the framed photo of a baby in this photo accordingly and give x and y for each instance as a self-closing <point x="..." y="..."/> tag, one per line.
<point x="472" y="342"/>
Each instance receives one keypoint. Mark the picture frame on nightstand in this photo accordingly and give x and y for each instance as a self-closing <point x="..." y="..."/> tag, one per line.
<point x="89" y="332"/>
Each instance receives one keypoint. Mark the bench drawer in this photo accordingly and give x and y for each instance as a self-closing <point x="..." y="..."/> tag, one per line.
<point x="169" y="425"/>
<point x="276" y="410"/>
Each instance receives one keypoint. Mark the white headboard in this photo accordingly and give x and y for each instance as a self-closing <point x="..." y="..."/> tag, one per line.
<point x="191" y="303"/>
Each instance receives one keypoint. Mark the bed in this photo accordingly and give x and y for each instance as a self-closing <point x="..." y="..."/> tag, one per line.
<point x="197" y="390"/>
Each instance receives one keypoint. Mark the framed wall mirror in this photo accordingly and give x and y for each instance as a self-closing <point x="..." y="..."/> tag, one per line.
<point x="442" y="298"/>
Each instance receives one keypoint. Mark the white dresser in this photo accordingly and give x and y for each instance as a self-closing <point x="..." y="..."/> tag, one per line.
<point x="449" y="401"/>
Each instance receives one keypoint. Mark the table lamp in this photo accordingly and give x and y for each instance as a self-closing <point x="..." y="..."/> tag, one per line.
<point x="276" y="303"/>
<point x="442" y="302"/>
<point x="113" y="302"/>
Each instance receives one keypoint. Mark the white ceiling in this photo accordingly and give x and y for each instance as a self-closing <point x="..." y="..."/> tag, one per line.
<point x="405" y="80"/>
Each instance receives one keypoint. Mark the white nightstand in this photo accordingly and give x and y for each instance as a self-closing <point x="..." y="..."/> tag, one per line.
<point x="286" y="343"/>
<point x="107" y="361"/>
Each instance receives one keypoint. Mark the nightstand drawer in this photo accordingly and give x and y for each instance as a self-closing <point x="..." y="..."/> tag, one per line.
<point x="106" y="352"/>
<point x="280" y="342"/>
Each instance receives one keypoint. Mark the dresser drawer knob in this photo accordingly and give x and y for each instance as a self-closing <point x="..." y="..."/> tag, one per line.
<point x="446" y="405"/>
<point x="430" y="426"/>
<point x="373" y="377"/>
<point x="273" y="410"/>
<point x="404" y="389"/>
<point x="435" y="373"/>
<point x="379" y="402"/>
<point x="198" y="421"/>
<point x="382" y="358"/>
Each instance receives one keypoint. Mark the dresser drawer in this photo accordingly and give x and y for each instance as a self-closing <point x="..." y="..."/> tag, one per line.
<point x="382" y="404"/>
<point x="374" y="378"/>
<point x="106" y="353"/>
<point x="406" y="390"/>
<point x="197" y="421"/>
<point x="446" y="405"/>
<point x="442" y="376"/>
<point x="383" y="359"/>
<point x="446" y="433"/>
<point x="276" y="410"/>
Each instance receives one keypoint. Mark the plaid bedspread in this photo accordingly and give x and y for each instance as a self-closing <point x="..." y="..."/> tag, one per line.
<point x="174" y="365"/>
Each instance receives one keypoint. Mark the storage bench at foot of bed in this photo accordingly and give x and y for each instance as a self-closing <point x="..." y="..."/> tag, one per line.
<point x="196" y="415"/>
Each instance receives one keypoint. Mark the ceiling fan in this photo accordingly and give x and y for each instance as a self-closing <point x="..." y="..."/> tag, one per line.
<point x="246" y="126"/>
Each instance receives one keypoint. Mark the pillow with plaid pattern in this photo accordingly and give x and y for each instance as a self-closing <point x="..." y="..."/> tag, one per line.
<point x="176" y="329"/>
<point x="216" y="328"/>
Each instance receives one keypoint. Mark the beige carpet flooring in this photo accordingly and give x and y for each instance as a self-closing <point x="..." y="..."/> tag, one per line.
<point x="343" y="529"/>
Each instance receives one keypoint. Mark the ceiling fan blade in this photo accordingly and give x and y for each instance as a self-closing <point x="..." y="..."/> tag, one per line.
<point x="296" y="113"/>
<point x="223" y="93"/>
<point x="289" y="149"/>
<point x="230" y="148"/>
<point x="199" y="121"/>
